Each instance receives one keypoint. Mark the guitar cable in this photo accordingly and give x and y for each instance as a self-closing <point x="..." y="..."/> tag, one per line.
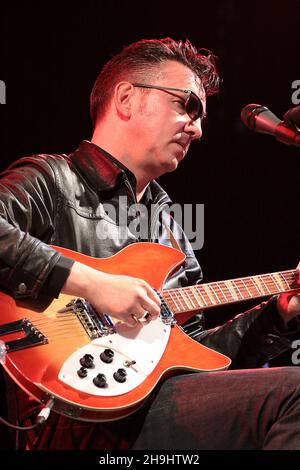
<point x="40" y="419"/>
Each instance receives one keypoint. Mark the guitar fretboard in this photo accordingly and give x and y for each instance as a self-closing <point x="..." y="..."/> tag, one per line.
<point x="200" y="297"/>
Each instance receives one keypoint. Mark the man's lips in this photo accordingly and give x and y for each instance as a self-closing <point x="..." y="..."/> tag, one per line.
<point x="184" y="145"/>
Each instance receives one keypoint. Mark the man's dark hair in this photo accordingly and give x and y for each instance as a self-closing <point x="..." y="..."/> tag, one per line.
<point x="140" y="61"/>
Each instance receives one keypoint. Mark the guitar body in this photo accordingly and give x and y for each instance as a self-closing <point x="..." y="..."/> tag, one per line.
<point x="44" y="370"/>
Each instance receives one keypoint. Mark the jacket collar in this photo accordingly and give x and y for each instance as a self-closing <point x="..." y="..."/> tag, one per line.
<point x="104" y="172"/>
<point x="99" y="168"/>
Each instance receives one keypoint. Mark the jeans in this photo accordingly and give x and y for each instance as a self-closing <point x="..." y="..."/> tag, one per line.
<point x="239" y="409"/>
<point x="246" y="409"/>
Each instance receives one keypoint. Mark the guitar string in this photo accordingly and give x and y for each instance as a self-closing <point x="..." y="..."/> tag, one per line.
<point x="269" y="282"/>
<point x="167" y="294"/>
<point x="245" y="291"/>
<point x="207" y="302"/>
<point x="221" y="286"/>
<point x="58" y="326"/>
<point x="242" y="293"/>
<point x="266" y="278"/>
<point x="69" y="319"/>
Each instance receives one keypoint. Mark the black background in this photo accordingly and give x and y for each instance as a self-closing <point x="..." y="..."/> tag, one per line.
<point x="52" y="52"/>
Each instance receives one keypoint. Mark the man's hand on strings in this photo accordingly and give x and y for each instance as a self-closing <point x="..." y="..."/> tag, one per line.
<point x="128" y="299"/>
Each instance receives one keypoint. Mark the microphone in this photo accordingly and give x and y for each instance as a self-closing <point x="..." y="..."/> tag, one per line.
<point x="260" y="119"/>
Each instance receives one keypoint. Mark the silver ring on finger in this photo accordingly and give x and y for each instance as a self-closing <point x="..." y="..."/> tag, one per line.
<point x="147" y="317"/>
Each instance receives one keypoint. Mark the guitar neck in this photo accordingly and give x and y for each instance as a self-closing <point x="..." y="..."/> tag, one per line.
<point x="213" y="294"/>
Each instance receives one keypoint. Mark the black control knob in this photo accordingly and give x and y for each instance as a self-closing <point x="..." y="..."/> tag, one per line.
<point x="120" y="375"/>
<point x="107" y="356"/>
<point x="82" y="372"/>
<point x="87" y="361"/>
<point x="100" y="381"/>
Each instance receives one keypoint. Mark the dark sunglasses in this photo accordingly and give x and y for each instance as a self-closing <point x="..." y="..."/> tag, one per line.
<point x="193" y="104"/>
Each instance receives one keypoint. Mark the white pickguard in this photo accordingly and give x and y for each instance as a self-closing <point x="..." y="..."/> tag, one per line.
<point x="143" y="344"/>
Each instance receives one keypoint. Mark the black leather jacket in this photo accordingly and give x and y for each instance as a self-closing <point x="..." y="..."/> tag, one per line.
<point x="61" y="200"/>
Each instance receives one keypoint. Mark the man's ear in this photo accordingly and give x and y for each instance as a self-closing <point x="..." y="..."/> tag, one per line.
<point x="123" y="94"/>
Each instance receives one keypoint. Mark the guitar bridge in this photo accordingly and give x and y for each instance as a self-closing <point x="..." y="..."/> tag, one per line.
<point x="33" y="336"/>
<point x="95" y="324"/>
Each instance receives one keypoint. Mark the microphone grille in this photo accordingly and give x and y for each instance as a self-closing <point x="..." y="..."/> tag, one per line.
<point x="249" y="113"/>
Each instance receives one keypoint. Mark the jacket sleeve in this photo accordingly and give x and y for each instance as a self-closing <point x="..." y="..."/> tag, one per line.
<point x="252" y="338"/>
<point x="28" y="204"/>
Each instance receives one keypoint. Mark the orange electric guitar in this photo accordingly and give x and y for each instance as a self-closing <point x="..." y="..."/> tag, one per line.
<point x="97" y="369"/>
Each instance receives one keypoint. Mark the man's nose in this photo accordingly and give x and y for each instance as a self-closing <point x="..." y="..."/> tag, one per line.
<point x="194" y="129"/>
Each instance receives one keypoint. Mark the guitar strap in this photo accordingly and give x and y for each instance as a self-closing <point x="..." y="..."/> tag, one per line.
<point x="171" y="237"/>
<point x="195" y="325"/>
